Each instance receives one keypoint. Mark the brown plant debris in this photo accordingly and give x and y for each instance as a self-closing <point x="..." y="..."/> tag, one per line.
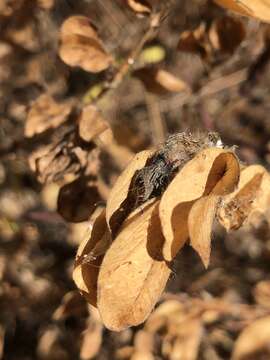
<point x="81" y="46"/>
<point x="172" y="236"/>
<point x="190" y="173"/>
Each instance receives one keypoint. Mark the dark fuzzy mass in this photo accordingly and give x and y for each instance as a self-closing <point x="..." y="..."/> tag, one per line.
<point x="153" y="179"/>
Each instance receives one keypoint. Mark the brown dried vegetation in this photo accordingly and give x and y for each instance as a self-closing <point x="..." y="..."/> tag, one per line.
<point x="170" y="234"/>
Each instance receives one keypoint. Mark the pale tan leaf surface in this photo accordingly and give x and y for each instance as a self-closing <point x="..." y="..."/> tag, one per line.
<point x="160" y="82"/>
<point x="92" y="336"/>
<point x="213" y="170"/>
<point x="181" y="326"/>
<point x="44" y="114"/>
<point x="80" y="45"/>
<point x="200" y="221"/>
<point x="186" y="345"/>
<point x="262" y="201"/>
<point x="248" y="196"/>
<point x="89" y="257"/>
<point x="131" y="280"/>
<point x="261" y="293"/>
<point x="80" y="25"/>
<point x="91" y="123"/>
<point x="161" y="315"/>
<point x="259" y="9"/>
<point x="118" y="202"/>
<point x="144" y="346"/>
<point x="49" y="345"/>
<point x="84" y="52"/>
<point x="253" y="342"/>
<point x="141" y="7"/>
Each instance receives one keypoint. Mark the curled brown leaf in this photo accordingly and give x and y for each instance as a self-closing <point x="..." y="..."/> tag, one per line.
<point x="91" y="123"/>
<point x="44" y="114"/>
<point x="259" y="9"/>
<point x="213" y="171"/>
<point x="133" y="274"/>
<point x="251" y="195"/>
<point x="81" y="46"/>
<point x="89" y="257"/>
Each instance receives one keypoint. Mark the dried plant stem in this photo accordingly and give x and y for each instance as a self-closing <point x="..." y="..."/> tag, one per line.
<point x="154" y="25"/>
<point x="158" y="125"/>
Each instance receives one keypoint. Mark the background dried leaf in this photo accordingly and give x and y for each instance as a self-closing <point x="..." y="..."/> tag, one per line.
<point x="143" y="346"/>
<point x="91" y="123"/>
<point x="141" y="7"/>
<point x="80" y="25"/>
<point x="261" y="293"/>
<point x="92" y="336"/>
<point x="160" y="82"/>
<point x="131" y="280"/>
<point x="253" y="342"/>
<point x="44" y="114"/>
<point x="73" y="304"/>
<point x="187" y="342"/>
<point x="80" y="45"/>
<point x="255" y="8"/>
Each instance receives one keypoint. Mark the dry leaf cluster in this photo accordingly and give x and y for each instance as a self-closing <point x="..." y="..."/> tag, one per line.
<point x="134" y="270"/>
<point x="88" y="93"/>
<point x="222" y="37"/>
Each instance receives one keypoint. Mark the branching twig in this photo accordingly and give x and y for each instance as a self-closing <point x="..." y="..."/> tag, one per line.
<point x="154" y="24"/>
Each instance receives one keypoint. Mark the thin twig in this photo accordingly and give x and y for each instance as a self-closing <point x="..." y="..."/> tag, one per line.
<point x="154" y="24"/>
<point x="157" y="122"/>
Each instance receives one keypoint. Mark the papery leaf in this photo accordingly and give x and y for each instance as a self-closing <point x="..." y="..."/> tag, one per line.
<point x="44" y="114"/>
<point x="121" y="197"/>
<point x="89" y="257"/>
<point x="238" y="206"/>
<point x="253" y="341"/>
<point x="200" y="222"/>
<point x="80" y="25"/>
<point x="141" y="7"/>
<point x="160" y="82"/>
<point x="81" y="46"/>
<point x="213" y="170"/>
<point x="261" y="293"/>
<point x="92" y="336"/>
<point x="91" y="123"/>
<point x="133" y="273"/>
<point x="254" y="8"/>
